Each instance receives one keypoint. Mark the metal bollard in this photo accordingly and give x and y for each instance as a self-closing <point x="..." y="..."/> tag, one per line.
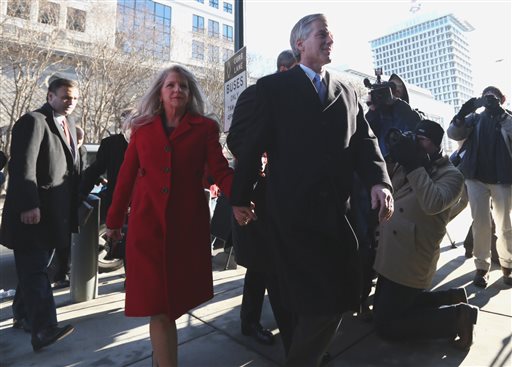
<point x="84" y="252"/>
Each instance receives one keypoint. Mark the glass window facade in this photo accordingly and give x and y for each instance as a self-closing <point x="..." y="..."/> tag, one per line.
<point x="426" y="54"/>
<point x="144" y="26"/>
<point x="214" y="4"/>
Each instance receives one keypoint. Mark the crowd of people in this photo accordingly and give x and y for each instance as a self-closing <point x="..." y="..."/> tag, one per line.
<point x="342" y="197"/>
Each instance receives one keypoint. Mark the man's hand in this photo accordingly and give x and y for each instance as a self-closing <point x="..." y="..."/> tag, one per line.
<point x="32" y="216"/>
<point x="244" y="214"/>
<point x="408" y="154"/>
<point x="382" y="199"/>
<point x="468" y="107"/>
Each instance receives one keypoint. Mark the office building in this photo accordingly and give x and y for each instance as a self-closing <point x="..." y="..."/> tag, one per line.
<point x="433" y="54"/>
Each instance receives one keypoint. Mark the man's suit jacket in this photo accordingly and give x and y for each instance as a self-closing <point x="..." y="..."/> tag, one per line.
<point x="313" y="151"/>
<point x="251" y="242"/>
<point x="43" y="173"/>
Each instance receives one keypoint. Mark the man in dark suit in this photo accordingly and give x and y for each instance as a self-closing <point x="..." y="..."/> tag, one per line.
<point x="251" y="244"/>
<point x="315" y="137"/>
<point x="40" y="209"/>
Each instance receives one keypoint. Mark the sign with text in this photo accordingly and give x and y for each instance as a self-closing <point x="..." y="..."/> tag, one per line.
<point x="235" y="81"/>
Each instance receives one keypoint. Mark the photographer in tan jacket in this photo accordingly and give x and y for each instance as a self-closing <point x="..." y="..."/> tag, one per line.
<point x="426" y="186"/>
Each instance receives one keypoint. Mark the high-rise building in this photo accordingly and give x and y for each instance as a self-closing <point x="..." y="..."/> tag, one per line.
<point x="433" y="54"/>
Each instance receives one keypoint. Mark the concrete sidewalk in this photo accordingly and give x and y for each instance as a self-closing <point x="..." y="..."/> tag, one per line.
<point x="210" y="334"/>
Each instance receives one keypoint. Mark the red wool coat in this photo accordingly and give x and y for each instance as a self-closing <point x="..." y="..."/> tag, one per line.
<point x="167" y="246"/>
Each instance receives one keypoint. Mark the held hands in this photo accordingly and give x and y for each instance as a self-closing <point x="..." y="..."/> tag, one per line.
<point x="32" y="216"/>
<point x="408" y="154"/>
<point x="244" y="214"/>
<point x="382" y="199"/>
<point x="114" y="234"/>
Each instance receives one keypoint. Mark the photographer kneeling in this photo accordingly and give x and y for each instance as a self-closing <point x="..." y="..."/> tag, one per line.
<point x="426" y="185"/>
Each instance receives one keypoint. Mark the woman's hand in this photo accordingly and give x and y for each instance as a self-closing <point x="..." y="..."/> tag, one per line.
<point x="114" y="234"/>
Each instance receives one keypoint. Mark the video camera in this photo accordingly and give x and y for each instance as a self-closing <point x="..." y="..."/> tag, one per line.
<point x="381" y="93"/>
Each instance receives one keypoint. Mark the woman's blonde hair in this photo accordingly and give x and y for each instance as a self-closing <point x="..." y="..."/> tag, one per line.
<point x="150" y="104"/>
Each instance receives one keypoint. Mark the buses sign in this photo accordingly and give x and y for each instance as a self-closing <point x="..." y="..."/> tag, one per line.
<point x="235" y="81"/>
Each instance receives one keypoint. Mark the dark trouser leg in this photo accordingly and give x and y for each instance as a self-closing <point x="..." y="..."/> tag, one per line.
<point x="36" y="293"/>
<point x="311" y="338"/>
<point x="63" y="257"/>
<point x="18" y="308"/>
<point x="252" y="301"/>
<point x="284" y="317"/>
<point x="404" y="313"/>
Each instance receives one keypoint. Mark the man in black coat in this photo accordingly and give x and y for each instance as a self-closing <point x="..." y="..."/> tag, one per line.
<point x="315" y="136"/>
<point x="108" y="160"/>
<point x="40" y="210"/>
<point x="251" y="243"/>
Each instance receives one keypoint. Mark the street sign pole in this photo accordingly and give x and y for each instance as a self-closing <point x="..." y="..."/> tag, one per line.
<point x="235" y="81"/>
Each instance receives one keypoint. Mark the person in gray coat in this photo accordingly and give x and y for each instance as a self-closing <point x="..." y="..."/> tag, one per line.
<point x="486" y="166"/>
<point x="40" y="210"/>
<point x="426" y="185"/>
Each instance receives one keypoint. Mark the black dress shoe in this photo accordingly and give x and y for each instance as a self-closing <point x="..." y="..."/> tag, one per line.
<point x="21" y="324"/>
<point x="466" y="320"/>
<point x="50" y="335"/>
<point x="262" y="336"/>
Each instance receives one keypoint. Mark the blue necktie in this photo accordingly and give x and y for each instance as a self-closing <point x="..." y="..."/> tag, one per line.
<point x="320" y="87"/>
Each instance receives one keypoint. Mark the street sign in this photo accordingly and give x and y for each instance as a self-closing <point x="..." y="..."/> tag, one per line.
<point x="235" y="81"/>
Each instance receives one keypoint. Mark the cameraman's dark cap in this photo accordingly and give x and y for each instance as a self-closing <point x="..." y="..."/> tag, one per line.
<point x="431" y="130"/>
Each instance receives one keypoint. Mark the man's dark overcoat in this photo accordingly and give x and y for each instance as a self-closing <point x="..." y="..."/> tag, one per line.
<point x="313" y="151"/>
<point x="39" y="179"/>
<point x="251" y="242"/>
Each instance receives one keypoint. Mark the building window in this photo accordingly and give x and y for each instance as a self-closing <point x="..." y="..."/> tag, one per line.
<point x="214" y="4"/>
<point x="197" y="23"/>
<point x="227" y="32"/>
<point x="213" y="54"/>
<point x="76" y="20"/>
<point x="144" y="27"/>
<point x="213" y="28"/>
<point x="49" y="13"/>
<point x="200" y="1"/>
<point x="197" y="50"/>
<point x="19" y="8"/>
<point x="228" y="8"/>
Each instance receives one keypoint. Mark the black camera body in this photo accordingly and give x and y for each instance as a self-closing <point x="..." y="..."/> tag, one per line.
<point x="394" y="136"/>
<point x="381" y="93"/>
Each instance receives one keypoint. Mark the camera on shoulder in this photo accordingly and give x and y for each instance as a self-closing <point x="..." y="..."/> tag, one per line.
<point x="381" y="93"/>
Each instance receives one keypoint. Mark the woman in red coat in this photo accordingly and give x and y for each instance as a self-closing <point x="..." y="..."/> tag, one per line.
<point x="170" y="147"/>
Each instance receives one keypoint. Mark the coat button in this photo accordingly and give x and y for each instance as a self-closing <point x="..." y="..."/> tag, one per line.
<point x="167" y="148"/>
<point x="165" y="190"/>
<point x="401" y="210"/>
<point x="394" y="232"/>
<point x="167" y="170"/>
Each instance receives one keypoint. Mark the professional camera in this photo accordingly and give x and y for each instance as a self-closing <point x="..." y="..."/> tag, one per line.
<point x="381" y="93"/>
<point x="395" y="136"/>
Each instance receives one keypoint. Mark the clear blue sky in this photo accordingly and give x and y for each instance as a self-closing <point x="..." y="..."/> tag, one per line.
<point x="355" y="23"/>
